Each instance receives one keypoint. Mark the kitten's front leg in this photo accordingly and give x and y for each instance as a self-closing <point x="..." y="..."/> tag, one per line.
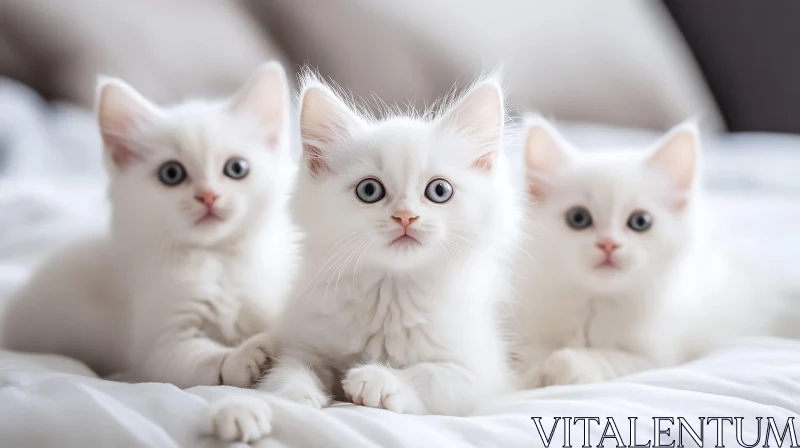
<point x="188" y="361"/>
<point x="248" y="418"/>
<point x="295" y="380"/>
<point x="248" y="361"/>
<point x="241" y="418"/>
<point x="379" y="386"/>
<point x="582" y="366"/>
<point x="424" y="388"/>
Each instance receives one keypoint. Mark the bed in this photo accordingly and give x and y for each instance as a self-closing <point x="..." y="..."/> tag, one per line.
<point x="51" y="191"/>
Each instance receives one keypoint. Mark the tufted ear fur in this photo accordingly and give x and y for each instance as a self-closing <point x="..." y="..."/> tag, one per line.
<point x="676" y="156"/>
<point x="324" y="118"/>
<point x="480" y="116"/>
<point x="120" y="111"/>
<point x="545" y="154"/>
<point x="265" y="96"/>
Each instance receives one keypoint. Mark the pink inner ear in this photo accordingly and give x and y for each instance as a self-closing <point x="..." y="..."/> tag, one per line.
<point x="121" y="152"/>
<point x="678" y="203"/>
<point x="536" y="191"/>
<point x="316" y="160"/>
<point x="484" y="162"/>
<point x="272" y="140"/>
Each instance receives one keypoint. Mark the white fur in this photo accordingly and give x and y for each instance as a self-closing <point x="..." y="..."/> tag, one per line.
<point x="163" y="297"/>
<point x="408" y="329"/>
<point x="675" y="295"/>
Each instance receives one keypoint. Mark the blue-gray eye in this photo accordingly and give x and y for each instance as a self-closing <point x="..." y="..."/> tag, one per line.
<point x="171" y="173"/>
<point x="579" y="218"/>
<point x="236" y="168"/>
<point x="439" y="191"/>
<point x="640" y="221"/>
<point x="370" y="190"/>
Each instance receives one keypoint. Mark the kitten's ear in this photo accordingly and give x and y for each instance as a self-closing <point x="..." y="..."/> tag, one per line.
<point x="120" y="110"/>
<point x="545" y="154"/>
<point x="265" y="96"/>
<point x="676" y="155"/>
<point x="324" y="118"/>
<point x="480" y="115"/>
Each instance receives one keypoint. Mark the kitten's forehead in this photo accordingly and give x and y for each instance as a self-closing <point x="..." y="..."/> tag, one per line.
<point x="407" y="147"/>
<point x="200" y="133"/>
<point x="610" y="181"/>
<point x="397" y="150"/>
<point x="402" y="147"/>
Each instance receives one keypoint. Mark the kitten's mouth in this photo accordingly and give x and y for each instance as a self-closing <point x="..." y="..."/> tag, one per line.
<point x="405" y="240"/>
<point x="607" y="264"/>
<point x="209" y="217"/>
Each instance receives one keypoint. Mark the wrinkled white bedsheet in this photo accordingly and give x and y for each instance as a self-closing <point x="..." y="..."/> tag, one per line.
<point x="51" y="191"/>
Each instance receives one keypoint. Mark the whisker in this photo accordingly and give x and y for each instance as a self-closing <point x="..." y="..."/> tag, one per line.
<point x="346" y="255"/>
<point x="343" y="268"/>
<point x="358" y="260"/>
<point x="330" y="261"/>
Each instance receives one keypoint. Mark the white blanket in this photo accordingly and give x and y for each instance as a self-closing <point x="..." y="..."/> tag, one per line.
<point x="56" y="402"/>
<point x="52" y="401"/>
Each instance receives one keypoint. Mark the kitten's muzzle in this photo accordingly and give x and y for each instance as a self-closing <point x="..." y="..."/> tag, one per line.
<point x="206" y="198"/>
<point x="405" y="218"/>
<point x="608" y="246"/>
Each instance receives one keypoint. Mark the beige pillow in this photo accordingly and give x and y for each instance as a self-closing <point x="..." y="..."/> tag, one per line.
<point x="167" y="49"/>
<point x="620" y="63"/>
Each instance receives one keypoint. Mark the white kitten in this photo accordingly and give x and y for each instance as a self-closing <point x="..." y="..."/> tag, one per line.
<point x="201" y="252"/>
<point x="624" y="275"/>
<point x="409" y="223"/>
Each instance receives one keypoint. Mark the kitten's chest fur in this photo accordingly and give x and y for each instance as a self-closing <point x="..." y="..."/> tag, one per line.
<point x="222" y="295"/>
<point x="391" y="319"/>
<point x="596" y="322"/>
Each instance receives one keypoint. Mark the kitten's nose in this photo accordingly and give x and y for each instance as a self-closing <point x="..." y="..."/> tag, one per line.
<point x="405" y="217"/>
<point x="206" y="197"/>
<point x="607" y="245"/>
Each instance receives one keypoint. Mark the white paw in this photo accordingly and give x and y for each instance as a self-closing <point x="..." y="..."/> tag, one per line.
<point x="247" y="363"/>
<point x="376" y="386"/>
<point x="564" y="366"/>
<point x="241" y="419"/>
<point x="308" y="394"/>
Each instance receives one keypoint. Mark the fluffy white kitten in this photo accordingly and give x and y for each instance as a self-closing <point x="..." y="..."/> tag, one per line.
<point x="201" y="252"/>
<point x="409" y="223"/>
<point x="624" y="275"/>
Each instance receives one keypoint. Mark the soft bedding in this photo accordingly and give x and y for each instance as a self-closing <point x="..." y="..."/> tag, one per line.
<point x="54" y="401"/>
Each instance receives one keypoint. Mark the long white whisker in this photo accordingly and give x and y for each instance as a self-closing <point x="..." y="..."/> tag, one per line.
<point x="346" y="255"/>
<point x="355" y="250"/>
<point x="358" y="260"/>
<point x="330" y="262"/>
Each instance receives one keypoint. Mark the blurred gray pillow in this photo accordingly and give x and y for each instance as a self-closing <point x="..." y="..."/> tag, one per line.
<point x="167" y="49"/>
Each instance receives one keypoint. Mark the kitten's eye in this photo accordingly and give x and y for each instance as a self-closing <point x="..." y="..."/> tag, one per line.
<point x="370" y="190"/>
<point x="439" y="191"/>
<point x="171" y="173"/>
<point x="640" y="221"/>
<point x="236" y="168"/>
<point x="579" y="218"/>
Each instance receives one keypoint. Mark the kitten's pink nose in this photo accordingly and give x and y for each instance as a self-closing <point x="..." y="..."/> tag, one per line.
<point x="206" y="197"/>
<point x="607" y="245"/>
<point x="405" y="217"/>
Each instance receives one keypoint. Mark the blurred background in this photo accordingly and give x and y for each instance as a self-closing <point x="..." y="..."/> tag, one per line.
<point x="638" y="65"/>
<point x="623" y="63"/>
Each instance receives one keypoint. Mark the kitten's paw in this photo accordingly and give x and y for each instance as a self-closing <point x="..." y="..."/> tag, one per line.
<point x="304" y="394"/>
<point x="241" y="419"/>
<point x="248" y="362"/>
<point x="376" y="386"/>
<point x="564" y="366"/>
